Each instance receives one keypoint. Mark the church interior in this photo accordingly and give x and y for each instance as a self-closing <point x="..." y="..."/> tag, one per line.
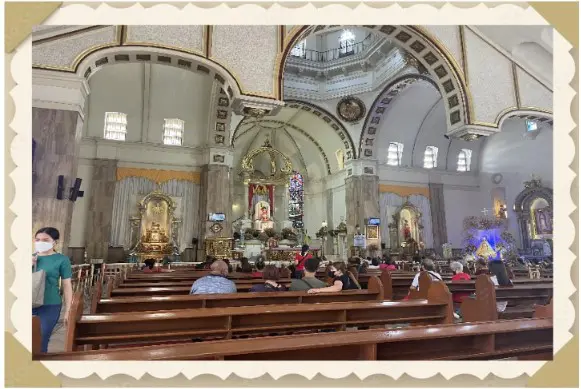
<point x="376" y="152"/>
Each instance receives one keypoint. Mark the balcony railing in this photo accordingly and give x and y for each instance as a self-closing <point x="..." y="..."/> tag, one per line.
<point x="334" y="54"/>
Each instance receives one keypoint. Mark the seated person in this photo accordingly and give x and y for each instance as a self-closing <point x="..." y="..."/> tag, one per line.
<point x="459" y="275"/>
<point x="259" y="264"/>
<point x="245" y="266"/>
<point x="309" y="280"/>
<point x="362" y="269"/>
<point x="271" y="275"/>
<point x="341" y="280"/>
<point x="387" y="264"/>
<point x="215" y="282"/>
<point x="427" y="266"/>
<point x="149" y="266"/>
<point x="374" y="264"/>
<point x="498" y="273"/>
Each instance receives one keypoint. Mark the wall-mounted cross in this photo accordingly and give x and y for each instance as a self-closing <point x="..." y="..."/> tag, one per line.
<point x="484" y="212"/>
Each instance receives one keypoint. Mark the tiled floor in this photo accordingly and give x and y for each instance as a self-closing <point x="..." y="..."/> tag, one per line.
<point x="57" y="340"/>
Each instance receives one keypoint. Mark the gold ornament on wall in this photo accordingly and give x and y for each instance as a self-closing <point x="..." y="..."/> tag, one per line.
<point x="351" y="109"/>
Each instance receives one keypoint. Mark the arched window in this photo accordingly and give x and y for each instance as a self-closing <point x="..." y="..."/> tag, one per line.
<point x="394" y="153"/>
<point x="346" y="43"/>
<point x="173" y="132"/>
<point x="115" y="125"/>
<point x="464" y="159"/>
<point x="296" y="200"/>
<point x="431" y="157"/>
<point x="300" y="49"/>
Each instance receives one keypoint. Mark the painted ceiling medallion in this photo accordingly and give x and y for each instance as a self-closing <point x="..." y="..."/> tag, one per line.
<point x="351" y="109"/>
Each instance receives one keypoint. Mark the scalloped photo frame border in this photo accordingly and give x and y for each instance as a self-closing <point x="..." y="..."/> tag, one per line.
<point x="22" y="371"/>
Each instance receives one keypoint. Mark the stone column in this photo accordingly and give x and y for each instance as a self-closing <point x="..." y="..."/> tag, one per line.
<point x="438" y="215"/>
<point x="99" y="216"/>
<point x="361" y="196"/>
<point x="57" y="122"/>
<point x="215" y="193"/>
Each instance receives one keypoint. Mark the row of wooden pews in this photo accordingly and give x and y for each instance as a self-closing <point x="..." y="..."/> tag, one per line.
<point x="298" y="326"/>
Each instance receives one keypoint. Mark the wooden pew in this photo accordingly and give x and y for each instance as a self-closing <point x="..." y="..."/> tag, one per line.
<point x="521" y="299"/>
<point x="520" y="339"/>
<point x="172" y="283"/>
<point x="225" y="323"/>
<point x="141" y="304"/>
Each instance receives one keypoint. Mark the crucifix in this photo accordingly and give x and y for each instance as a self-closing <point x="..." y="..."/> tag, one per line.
<point x="484" y="212"/>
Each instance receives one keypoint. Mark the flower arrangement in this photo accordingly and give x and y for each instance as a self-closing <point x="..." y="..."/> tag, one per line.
<point x="262" y="236"/>
<point x="251" y="234"/>
<point x="288" y="234"/>
<point x="270" y="232"/>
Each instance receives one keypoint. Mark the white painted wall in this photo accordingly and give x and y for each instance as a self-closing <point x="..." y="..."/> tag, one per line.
<point x="460" y="203"/>
<point x="516" y="158"/>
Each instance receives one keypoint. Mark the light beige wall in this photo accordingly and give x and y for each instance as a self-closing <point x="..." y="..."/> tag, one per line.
<point x="81" y="206"/>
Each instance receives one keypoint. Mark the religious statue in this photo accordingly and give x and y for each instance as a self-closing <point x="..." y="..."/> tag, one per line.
<point x="262" y="218"/>
<point x="485" y="250"/>
<point x="544" y="223"/>
<point x="407" y="232"/>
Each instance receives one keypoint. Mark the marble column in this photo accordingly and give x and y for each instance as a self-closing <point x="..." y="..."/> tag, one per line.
<point x="438" y="215"/>
<point x="215" y="197"/>
<point x="57" y="134"/>
<point x="362" y="199"/>
<point x="99" y="215"/>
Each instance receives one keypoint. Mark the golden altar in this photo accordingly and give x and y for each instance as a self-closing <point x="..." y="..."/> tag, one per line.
<point x="155" y="230"/>
<point x="220" y="248"/>
<point x="286" y="254"/>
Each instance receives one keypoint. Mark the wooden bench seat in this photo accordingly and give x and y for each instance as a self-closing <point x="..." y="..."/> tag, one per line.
<point x="177" y="283"/>
<point x="521" y="300"/>
<point x="135" y="327"/>
<point x="154" y="303"/>
<point x="522" y="339"/>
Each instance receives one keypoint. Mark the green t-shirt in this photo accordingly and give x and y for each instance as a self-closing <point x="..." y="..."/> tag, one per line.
<point x="55" y="266"/>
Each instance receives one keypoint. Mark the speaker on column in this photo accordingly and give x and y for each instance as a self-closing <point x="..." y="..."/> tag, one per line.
<point x="60" y="188"/>
<point x="75" y="190"/>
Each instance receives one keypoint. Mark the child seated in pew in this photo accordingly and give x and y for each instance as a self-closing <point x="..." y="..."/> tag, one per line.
<point x="341" y="280"/>
<point x="271" y="275"/>
<point x="215" y="282"/>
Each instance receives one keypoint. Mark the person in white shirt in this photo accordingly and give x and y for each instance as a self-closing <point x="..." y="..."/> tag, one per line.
<point x="427" y="266"/>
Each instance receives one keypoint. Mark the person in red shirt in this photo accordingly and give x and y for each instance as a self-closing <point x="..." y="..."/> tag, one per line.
<point x="259" y="264"/>
<point x="459" y="275"/>
<point x="387" y="264"/>
<point x="300" y="260"/>
<point x="150" y="266"/>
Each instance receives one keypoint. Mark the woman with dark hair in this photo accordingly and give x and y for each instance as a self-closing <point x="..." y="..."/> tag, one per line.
<point x="271" y="275"/>
<point x="340" y="279"/>
<point x="56" y="267"/>
<point x="498" y="273"/>
<point x="259" y="264"/>
<point x="300" y="261"/>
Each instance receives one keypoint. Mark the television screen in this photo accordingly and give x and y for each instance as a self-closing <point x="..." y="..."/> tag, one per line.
<point x="374" y="221"/>
<point x="216" y="217"/>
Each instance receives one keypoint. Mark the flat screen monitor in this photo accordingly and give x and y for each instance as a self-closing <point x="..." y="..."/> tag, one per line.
<point x="216" y="217"/>
<point x="374" y="221"/>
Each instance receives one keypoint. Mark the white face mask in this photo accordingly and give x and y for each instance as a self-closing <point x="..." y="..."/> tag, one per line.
<point x="41" y="247"/>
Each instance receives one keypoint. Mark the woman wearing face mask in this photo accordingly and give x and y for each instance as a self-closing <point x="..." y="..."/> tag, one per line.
<point x="55" y="266"/>
<point x="340" y="279"/>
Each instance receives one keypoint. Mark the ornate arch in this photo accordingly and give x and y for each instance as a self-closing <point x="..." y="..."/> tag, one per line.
<point x="523" y="202"/>
<point x="367" y="144"/>
<point x="331" y="120"/>
<point x="442" y="68"/>
<point x="527" y="114"/>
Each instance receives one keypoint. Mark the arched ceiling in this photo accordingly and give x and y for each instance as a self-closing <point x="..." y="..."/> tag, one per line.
<point x="416" y="117"/>
<point x="308" y="139"/>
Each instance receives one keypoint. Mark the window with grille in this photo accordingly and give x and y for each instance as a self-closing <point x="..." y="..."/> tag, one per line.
<point x="115" y="125"/>
<point x="431" y="157"/>
<point x="394" y="153"/>
<point x="173" y="132"/>
<point x="346" y="43"/>
<point x="531" y="125"/>
<point x="300" y="49"/>
<point x="464" y="159"/>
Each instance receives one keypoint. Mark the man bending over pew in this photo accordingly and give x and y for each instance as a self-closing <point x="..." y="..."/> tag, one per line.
<point x="340" y="278"/>
<point x="427" y="266"/>
<point x="215" y="282"/>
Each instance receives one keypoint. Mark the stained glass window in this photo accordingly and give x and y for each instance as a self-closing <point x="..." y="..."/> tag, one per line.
<point x="296" y="200"/>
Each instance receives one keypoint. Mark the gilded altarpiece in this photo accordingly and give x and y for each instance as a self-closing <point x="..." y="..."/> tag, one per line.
<point x="154" y="232"/>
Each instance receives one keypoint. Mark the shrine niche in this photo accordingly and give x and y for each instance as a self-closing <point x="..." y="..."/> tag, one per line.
<point x="155" y="230"/>
<point x="263" y="170"/>
<point x="406" y="230"/>
<point x="534" y="210"/>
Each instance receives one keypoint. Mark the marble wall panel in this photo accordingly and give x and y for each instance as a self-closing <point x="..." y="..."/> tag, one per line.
<point x="249" y="53"/>
<point x="438" y="209"/>
<point x="100" y="212"/>
<point x="187" y="38"/>
<point x="490" y="79"/>
<point x="362" y="200"/>
<point x="57" y="134"/>
<point x="215" y="196"/>
<point x="533" y="93"/>
<point x="62" y="53"/>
